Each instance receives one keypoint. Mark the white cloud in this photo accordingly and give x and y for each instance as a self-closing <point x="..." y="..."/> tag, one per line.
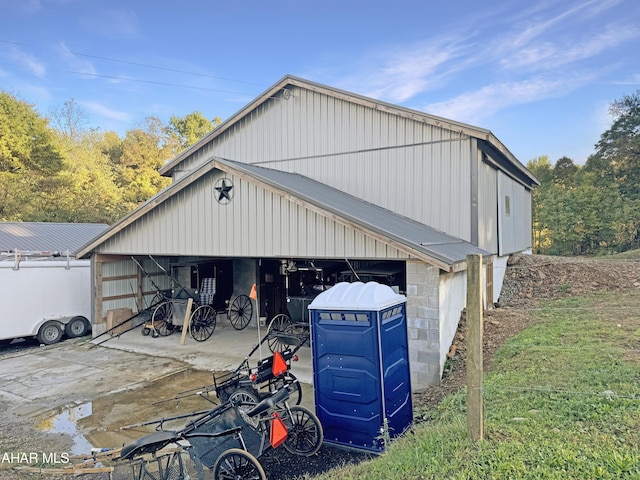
<point x="633" y="79"/>
<point x="474" y="106"/>
<point x="76" y="63"/>
<point x="106" y="112"/>
<point x="547" y="55"/>
<point x="27" y="61"/>
<point x="402" y="73"/>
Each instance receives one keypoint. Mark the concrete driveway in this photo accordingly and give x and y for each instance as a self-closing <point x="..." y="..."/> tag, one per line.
<point x="75" y="370"/>
<point x="91" y="391"/>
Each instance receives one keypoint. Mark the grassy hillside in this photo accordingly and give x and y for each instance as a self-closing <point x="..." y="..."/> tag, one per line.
<point x="562" y="401"/>
<point x="630" y="255"/>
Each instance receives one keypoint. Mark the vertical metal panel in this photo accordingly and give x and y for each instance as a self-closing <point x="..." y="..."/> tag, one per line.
<point x="515" y="226"/>
<point x="417" y="170"/>
<point x="256" y="223"/>
<point x="487" y="207"/>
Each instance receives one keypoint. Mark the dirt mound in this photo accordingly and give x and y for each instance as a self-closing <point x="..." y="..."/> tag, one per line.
<point x="533" y="277"/>
<point x="528" y="279"/>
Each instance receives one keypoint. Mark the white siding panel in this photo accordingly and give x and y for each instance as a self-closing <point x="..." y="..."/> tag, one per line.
<point x="420" y="171"/>
<point x="256" y="223"/>
<point x="487" y="208"/>
<point x="514" y="227"/>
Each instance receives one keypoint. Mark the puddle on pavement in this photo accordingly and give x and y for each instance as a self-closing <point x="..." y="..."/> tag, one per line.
<point x="115" y="419"/>
<point x="99" y="423"/>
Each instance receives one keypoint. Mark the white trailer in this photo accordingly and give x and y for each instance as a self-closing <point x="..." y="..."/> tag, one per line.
<point x="45" y="299"/>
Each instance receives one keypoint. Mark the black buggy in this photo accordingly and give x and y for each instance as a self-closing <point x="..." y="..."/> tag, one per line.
<point x="250" y="384"/>
<point x="228" y="440"/>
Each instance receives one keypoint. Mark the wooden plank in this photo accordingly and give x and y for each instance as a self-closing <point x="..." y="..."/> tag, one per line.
<point x="187" y="320"/>
<point x="475" y="411"/>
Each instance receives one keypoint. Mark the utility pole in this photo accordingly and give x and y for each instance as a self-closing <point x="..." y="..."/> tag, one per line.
<point x="475" y="410"/>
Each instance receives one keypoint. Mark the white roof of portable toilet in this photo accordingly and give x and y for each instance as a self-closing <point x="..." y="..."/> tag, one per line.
<point x="371" y="296"/>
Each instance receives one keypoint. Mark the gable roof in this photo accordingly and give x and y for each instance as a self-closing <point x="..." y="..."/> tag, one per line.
<point x="47" y="237"/>
<point x="422" y="240"/>
<point x="419" y="240"/>
<point x="488" y="142"/>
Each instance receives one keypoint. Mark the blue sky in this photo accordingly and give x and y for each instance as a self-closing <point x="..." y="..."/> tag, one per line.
<point x="539" y="74"/>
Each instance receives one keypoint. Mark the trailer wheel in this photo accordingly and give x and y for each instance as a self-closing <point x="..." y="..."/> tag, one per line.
<point x="77" y="327"/>
<point x="49" y="333"/>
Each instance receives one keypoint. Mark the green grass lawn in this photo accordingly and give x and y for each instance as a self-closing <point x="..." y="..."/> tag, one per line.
<point x="562" y="401"/>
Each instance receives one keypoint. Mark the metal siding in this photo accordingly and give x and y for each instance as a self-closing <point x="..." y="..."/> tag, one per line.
<point x="523" y="218"/>
<point x="256" y="223"/>
<point x="514" y="229"/>
<point x="506" y="226"/>
<point x="428" y="183"/>
<point x="419" y="196"/>
<point x="488" y="210"/>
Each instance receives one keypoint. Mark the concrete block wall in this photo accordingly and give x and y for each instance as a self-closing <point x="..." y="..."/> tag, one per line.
<point x="423" y="324"/>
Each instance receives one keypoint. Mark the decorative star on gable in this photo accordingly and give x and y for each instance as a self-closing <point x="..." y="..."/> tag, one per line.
<point x="223" y="188"/>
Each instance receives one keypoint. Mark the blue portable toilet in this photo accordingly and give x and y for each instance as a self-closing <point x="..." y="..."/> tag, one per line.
<point x="361" y="375"/>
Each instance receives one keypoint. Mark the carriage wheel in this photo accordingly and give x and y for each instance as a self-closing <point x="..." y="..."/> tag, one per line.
<point x="156" y="300"/>
<point x="161" y="320"/>
<point x="244" y="395"/>
<point x="304" y="431"/>
<point x="202" y="323"/>
<point x="278" y="324"/>
<point x="236" y="464"/>
<point x="295" y="389"/>
<point x="240" y="312"/>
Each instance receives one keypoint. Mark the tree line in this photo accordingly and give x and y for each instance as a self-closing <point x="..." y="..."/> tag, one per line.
<point x="592" y="209"/>
<point x="55" y="169"/>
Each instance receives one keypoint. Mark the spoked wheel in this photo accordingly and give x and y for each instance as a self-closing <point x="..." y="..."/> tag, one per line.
<point x="236" y="464"/>
<point x="240" y="312"/>
<point x="161" y="320"/>
<point x="279" y="324"/>
<point x="157" y="299"/>
<point x="247" y="396"/>
<point x="202" y="323"/>
<point x="304" y="436"/>
<point x="295" y="389"/>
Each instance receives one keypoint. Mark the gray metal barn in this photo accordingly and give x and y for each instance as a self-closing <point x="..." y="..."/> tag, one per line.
<point x="311" y="181"/>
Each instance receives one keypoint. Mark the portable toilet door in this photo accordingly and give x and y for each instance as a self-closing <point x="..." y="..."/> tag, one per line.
<point x="362" y="387"/>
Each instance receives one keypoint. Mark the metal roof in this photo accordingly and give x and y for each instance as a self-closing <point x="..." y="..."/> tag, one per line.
<point x="47" y="237"/>
<point x="426" y="241"/>
<point x="422" y="241"/>
<point x="507" y="160"/>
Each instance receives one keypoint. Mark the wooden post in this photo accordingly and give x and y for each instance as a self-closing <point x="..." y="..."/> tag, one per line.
<point x="187" y="320"/>
<point x="475" y="413"/>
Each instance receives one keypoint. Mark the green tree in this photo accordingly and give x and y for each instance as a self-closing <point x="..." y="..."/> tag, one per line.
<point x="192" y="127"/>
<point x="30" y="160"/>
<point x="620" y="145"/>
<point x="88" y="189"/>
<point x="564" y="171"/>
<point x="542" y="168"/>
<point x="143" y="151"/>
